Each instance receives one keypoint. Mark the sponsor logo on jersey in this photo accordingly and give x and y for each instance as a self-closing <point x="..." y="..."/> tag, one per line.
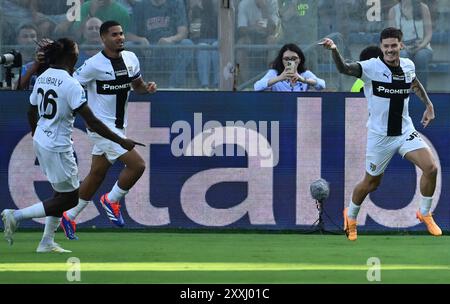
<point x="398" y="77"/>
<point x="121" y="73"/>
<point x="116" y="87"/>
<point x="111" y="87"/>
<point x="393" y="91"/>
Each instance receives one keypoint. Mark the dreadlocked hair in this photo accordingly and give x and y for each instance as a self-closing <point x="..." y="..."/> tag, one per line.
<point x="57" y="51"/>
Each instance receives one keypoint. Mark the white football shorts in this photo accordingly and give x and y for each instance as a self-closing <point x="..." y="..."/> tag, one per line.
<point x="103" y="146"/>
<point x="380" y="149"/>
<point x="60" y="168"/>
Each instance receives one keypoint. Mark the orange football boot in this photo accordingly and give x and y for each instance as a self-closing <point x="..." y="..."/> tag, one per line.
<point x="432" y="227"/>
<point x="350" y="227"/>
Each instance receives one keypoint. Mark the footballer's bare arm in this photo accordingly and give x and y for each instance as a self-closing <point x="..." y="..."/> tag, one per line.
<point x="419" y="90"/>
<point x="140" y="86"/>
<point x="33" y="118"/>
<point x="347" y="68"/>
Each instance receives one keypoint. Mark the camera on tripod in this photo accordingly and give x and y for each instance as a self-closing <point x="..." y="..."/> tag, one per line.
<point x="10" y="60"/>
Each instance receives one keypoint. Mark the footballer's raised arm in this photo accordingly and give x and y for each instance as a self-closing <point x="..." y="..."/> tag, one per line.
<point x="347" y="68"/>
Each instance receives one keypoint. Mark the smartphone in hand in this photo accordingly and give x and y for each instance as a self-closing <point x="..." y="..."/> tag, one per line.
<point x="290" y="66"/>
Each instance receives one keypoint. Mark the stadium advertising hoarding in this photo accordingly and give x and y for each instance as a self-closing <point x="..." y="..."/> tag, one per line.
<point x="238" y="160"/>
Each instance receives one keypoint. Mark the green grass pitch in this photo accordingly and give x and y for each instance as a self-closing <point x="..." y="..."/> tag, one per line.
<point x="259" y="258"/>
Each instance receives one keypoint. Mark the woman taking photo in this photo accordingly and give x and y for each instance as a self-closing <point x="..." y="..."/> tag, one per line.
<point x="289" y="74"/>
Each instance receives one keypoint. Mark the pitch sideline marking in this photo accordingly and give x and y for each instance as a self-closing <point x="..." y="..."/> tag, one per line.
<point x="179" y="266"/>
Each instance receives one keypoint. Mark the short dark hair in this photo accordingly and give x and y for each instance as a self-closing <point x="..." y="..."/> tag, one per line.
<point x="369" y="52"/>
<point x="104" y="28"/>
<point x="391" y="32"/>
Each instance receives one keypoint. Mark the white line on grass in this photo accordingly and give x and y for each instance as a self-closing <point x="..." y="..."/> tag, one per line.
<point x="180" y="266"/>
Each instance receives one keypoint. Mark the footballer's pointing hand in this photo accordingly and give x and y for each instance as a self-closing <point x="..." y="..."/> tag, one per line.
<point x="129" y="144"/>
<point x="328" y="44"/>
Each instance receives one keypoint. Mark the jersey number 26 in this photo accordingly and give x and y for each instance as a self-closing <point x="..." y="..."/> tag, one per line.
<point x="48" y="98"/>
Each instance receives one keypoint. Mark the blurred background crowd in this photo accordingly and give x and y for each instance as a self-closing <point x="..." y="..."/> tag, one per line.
<point x="230" y="44"/>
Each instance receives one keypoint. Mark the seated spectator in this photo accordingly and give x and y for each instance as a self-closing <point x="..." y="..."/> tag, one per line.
<point x="257" y="23"/>
<point x="128" y="5"/>
<point x="414" y="19"/>
<point x="15" y="11"/>
<point x="298" y="21"/>
<point x="163" y="23"/>
<point x="203" y="16"/>
<point x="369" y="52"/>
<point x="289" y="73"/>
<point x="92" y="42"/>
<point x="103" y="10"/>
<point x="56" y="13"/>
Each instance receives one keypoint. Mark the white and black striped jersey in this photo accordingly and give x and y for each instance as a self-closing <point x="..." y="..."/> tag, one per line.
<point x="57" y="96"/>
<point x="387" y="90"/>
<point x="108" y="83"/>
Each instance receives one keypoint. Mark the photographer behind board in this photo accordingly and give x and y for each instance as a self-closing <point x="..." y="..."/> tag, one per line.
<point x="31" y="70"/>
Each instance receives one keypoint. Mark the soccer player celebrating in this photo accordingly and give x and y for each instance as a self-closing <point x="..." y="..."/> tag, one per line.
<point x="57" y="97"/>
<point x="108" y="77"/>
<point x="388" y="82"/>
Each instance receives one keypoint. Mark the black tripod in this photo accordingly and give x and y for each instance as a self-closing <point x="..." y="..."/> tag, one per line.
<point x="318" y="225"/>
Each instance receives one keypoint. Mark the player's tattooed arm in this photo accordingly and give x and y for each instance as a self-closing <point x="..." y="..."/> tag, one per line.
<point x="348" y="68"/>
<point x="419" y="90"/>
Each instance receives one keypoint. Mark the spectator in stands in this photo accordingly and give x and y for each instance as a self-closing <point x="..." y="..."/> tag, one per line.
<point x="103" y="10"/>
<point x="289" y="73"/>
<point x="128" y="5"/>
<point x="164" y="23"/>
<point x="414" y="19"/>
<point x="31" y="70"/>
<point x="15" y="11"/>
<point x="92" y="42"/>
<point x="298" y="21"/>
<point x="203" y="17"/>
<point x="257" y="23"/>
<point x="26" y="38"/>
<point x="372" y="51"/>
<point x="53" y="11"/>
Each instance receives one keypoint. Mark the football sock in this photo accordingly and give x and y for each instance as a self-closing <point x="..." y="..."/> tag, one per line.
<point x="116" y="194"/>
<point x="425" y="205"/>
<point x="73" y="213"/>
<point x="353" y="210"/>
<point x="34" y="211"/>
<point x="51" y="224"/>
